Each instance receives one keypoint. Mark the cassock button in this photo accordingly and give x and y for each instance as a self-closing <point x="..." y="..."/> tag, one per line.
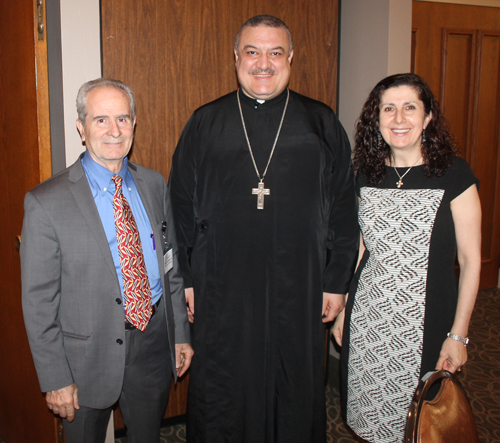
<point x="119" y="341"/>
<point x="203" y="227"/>
<point x="118" y="301"/>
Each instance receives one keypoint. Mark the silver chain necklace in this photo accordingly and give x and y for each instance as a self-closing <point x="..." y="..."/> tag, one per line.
<point x="400" y="182"/>
<point x="260" y="191"/>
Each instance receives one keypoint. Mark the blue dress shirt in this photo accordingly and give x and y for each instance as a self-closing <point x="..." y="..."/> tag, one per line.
<point x="103" y="190"/>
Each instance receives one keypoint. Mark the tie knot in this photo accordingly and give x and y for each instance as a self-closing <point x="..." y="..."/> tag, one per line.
<point x="117" y="181"/>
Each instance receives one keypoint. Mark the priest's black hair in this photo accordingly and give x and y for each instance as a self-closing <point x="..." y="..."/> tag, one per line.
<point x="264" y="20"/>
<point x="371" y="151"/>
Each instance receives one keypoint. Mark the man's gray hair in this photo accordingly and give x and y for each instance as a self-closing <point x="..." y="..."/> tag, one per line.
<point x="81" y="98"/>
<point x="264" y="20"/>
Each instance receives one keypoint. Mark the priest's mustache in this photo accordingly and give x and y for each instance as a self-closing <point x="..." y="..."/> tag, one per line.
<point x="263" y="71"/>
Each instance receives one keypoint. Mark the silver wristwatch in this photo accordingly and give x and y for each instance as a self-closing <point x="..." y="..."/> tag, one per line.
<point x="464" y="340"/>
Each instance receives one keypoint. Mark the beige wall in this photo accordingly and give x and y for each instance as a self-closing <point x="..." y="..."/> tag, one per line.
<point x="81" y="61"/>
<point x="375" y="42"/>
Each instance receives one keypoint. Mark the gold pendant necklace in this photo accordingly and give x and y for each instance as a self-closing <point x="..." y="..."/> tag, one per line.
<point x="400" y="182"/>
<point x="261" y="191"/>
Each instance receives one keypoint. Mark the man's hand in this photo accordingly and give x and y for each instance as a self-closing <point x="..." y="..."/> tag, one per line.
<point x="332" y="305"/>
<point x="183" y="356"/>
<point x="190" y="303"/>
<point x="64" y="401"/>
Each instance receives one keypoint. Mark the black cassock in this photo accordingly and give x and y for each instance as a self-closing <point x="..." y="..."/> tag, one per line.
<point x="259" y="275"/>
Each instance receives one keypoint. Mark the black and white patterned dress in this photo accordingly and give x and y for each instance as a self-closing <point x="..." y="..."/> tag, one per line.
<point x="403" y="298"/>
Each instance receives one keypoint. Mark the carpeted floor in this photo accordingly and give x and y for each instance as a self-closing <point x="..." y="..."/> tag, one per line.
<point x="481" y="375"/>
<point x="480" y="378"/>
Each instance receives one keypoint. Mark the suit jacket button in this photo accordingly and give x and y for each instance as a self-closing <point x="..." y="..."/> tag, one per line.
<point x="119" y="341"/>
<point x="118" y="301"/>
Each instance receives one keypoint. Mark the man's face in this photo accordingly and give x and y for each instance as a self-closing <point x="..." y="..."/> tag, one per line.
<point x="263" y="61"/>
<point x="109" y="130"/>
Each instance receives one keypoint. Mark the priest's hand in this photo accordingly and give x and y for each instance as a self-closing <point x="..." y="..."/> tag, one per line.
<point x="190" y="303"/>
<point x="183" y="356"/>
<point x="63" y="402"/>
<point x="332" y="305"/>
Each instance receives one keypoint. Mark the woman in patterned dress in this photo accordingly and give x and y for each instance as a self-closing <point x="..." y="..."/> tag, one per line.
<point x="419" y="209"/>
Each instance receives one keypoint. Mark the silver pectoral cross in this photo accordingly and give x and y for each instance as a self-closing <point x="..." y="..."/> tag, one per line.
<point x="260" y="191"/>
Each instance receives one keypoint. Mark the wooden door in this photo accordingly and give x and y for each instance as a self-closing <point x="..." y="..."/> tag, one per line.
<point x="24" y="162"/>
<point x="178" y="55"/>
<point x="456" y="49"/>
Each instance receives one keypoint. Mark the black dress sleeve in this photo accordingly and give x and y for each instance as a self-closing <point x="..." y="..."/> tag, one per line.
<point x="463" y="177"/>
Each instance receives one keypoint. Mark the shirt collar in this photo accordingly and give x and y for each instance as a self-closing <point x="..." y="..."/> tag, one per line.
<point x="278" y="100"/>
<point x="101" y="175"/>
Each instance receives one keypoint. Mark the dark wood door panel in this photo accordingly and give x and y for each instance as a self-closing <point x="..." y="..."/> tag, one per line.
<point x="457" y="51"/>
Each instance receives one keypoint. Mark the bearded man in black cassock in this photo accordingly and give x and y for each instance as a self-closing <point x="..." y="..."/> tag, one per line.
<point x="266" y="218"/>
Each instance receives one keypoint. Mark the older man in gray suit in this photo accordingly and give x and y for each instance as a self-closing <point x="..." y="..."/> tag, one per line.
<point x="103" y="299"/>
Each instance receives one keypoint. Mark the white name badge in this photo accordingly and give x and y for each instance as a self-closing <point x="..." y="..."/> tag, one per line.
<point x="168" y="260"/>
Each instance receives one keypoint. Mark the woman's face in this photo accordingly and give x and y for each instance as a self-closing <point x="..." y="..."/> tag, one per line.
<point x="402" y="118"/>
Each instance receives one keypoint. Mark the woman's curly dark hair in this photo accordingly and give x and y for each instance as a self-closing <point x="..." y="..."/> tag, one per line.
<point x="371" y="151"/>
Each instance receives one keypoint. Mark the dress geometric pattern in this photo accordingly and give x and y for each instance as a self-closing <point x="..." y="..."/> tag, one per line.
<point x="136" y="289"/>
<point x="387" y="319"/>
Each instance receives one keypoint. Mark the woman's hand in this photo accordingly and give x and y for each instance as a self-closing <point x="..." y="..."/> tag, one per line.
<point x="338" y="327"/>
<point x="453" y="356"/>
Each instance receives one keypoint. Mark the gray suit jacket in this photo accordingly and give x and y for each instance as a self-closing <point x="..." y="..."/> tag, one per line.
<point x="70" y="287"/>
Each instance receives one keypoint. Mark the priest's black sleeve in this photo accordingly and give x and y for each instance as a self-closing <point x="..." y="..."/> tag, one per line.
<point x="343" y="229"/>
<point x="182" y="188"/>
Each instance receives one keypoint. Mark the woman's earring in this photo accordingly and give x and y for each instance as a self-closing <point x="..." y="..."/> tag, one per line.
<point x="379" y="140"/>
<point x="423" y="136"/>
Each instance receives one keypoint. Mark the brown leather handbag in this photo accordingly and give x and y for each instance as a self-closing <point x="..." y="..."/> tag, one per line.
<point x="447" y="418"/>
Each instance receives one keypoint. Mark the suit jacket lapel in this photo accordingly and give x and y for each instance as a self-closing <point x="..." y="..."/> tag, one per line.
<point x="80" y="188"/>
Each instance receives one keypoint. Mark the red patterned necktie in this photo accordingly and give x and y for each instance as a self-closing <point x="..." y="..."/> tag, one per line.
<point x="136" y="290"/>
